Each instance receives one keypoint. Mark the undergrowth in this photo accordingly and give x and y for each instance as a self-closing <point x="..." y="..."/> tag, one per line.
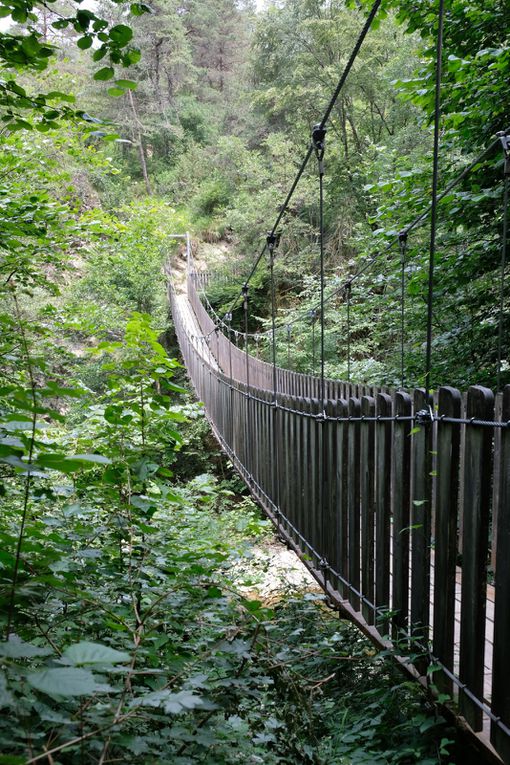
<point x="167" y="662"/>
<point x="128" y="635"/>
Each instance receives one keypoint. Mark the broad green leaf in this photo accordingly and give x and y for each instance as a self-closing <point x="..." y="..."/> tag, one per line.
<point x="6" y="698"/>
<point x="51" y="715"/>
<point x="85" y="42"/>
<point x="138" y="9"/>
<point x="97" y="459"/>
<point x="128" y="84"/>
<point x="99" y="53"/>
<point x="106" y="73"/>
<point x="94" y="653"/>
<point x="172" y="703"/>
<point x="63" y="681"/>
<point x="121" y="34"/>
<point x="132" y="57"/>
<point x="15" y="648"/>
<point x="71" y="463"/>
<point x="57" y="95"/>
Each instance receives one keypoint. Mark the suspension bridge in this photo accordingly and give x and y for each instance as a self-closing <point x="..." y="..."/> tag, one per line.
<point x="397" y="500"/>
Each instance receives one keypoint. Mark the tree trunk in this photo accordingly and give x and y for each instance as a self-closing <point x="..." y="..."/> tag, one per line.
<point x="141" y="147"/>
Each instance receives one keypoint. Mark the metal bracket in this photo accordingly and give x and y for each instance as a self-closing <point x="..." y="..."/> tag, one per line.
<point x="245" y="290"/>
<point x="504" y="137"/>
<point x="273" y="241"/>
<point x="319" y="144"/>
<point x="402" y="241"/>
<point x="425" y="416"/>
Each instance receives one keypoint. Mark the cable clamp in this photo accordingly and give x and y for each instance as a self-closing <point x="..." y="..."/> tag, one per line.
<point x="425" y="416"/>
<point x="245" y="289"/>
<point x="504" y="137"/>
<point x="319" y="139"/>
<point x="319" y="144"/>
<point x="272" y="240"/>
<point x="402" y="241"/>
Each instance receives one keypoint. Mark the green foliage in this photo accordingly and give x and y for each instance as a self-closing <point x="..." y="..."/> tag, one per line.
<point x="27" y="48"/>
<point x="378" y="175"/>
<point x="122" y="526"/>
<point x="123" y="269"/>
<point x="212" y="197"/>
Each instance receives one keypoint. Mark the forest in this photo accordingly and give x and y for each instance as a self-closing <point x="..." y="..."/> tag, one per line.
<point x="133" y="619"/>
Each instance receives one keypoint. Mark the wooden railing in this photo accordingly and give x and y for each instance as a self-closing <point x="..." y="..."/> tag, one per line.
<point x="400" y="506"/>
<point x="260" y="374"/>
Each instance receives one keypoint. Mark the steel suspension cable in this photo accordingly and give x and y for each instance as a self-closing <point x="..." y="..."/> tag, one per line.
<point x="246" y="307"/>
<point x="341" y="82"/>
<point x="348" y="298"/>
<point x="403" y="252"/>
<point x="505" y="140"/>
<point x="416" y="222"/>
<point x="273" y="241"/>
<point x="319" y="144"/>
<point x="433" y="209"/>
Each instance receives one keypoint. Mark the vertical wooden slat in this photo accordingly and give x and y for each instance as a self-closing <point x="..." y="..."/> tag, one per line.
<point x="267" y="444"/>
<point x="304" y="446"/>
<point x="256" y="437"/>
<point x="340" y="558"/>
<point x="462" y="471"/>
<point x="316" y="477"/>
<point x="498" y="409"/>
<point x="500" y="682"/>
<point x="421" y="511"/>
<point x="298" y="477"/>
<point x="401" y="499"/>
<point x="367" y="467"/>
<point x="474" y="555"/>
<point x="343" y="520"/>
<point x="353" y="495"/>
<point x="445" y="553"/>
<point x="284" y="456"/>
<point x="330" y="486"/>
<point x="293" y="477"/>
<point x="382" y="502"/>
<point x="306" y="488"/>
